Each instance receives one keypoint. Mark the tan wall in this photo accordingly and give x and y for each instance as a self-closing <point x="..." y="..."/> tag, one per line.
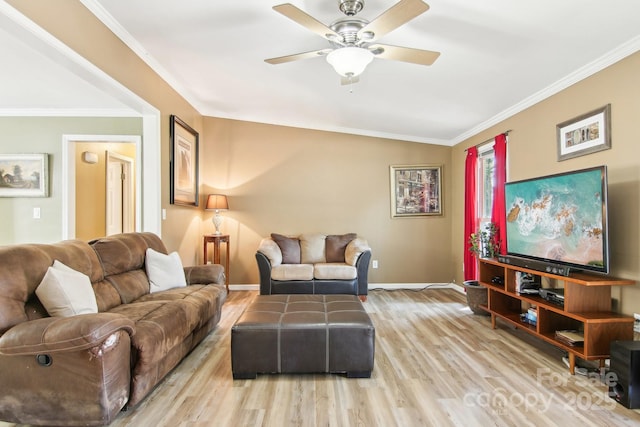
<point x="91" y="204"/>
<point x="533" y="152"/>
<point x="288" y="180"/>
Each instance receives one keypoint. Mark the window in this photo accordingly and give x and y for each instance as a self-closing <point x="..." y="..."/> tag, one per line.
<point x="486" y="181"/>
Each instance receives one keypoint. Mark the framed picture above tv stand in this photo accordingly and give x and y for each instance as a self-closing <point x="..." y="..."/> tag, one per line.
<point x="586" y="310"/>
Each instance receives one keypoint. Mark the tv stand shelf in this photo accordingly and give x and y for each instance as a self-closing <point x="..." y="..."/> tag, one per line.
<point x="586" y="308"/>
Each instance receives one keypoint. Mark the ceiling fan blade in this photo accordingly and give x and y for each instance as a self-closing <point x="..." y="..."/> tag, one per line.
<point x="306" y="20"/>
<point x="404" y="54"/>
<point x="298" y="56"/>
<point x="392" y="18"/>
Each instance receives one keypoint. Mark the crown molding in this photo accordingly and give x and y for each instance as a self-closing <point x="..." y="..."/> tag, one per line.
<point x="66" y="112"/>
<point x="110" y="22"/>
<point x="610" y="58"/>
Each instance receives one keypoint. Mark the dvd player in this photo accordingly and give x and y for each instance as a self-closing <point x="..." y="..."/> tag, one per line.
<point x="555" y="296"/>
<point x="547" y="267"/>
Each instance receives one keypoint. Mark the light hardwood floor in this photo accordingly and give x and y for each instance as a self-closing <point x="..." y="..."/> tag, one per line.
<point x="436" y="364"/>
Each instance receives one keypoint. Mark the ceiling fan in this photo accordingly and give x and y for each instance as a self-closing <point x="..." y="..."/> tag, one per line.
<point x="353" y="40"/>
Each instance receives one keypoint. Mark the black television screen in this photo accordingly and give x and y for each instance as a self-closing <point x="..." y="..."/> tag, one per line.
<point x="560" y="219"/>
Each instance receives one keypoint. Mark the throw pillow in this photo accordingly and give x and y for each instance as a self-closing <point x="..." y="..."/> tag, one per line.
<point x="164" y="271"/>
<point x="312" y="248"/>
<point x="271" y="250"/>
<point x="354" y="249"/>
<point x="336" y="245"/>
<point x="290" y="247"/>
<point x="65" y="292"/>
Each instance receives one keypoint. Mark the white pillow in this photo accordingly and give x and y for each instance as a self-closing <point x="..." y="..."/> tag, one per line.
<point x="354" y="249"/>
<point x="66" y="292"/>
<point x="271" y="250"/>
<point x="164" y="271"/>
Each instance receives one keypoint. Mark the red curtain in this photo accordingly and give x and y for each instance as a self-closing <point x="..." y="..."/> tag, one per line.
<point x="470" y="212"/>
<point x="499" y="209"/>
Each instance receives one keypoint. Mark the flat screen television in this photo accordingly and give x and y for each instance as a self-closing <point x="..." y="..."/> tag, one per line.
<point x="560" y="219"/>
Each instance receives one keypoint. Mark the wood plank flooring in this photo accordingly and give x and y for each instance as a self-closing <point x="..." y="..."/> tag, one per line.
<point x="436" y="364"/>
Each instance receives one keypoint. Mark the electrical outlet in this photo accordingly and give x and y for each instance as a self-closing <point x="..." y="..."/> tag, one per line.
<point x="374" y="263"/>
<point x="636" y="323"/>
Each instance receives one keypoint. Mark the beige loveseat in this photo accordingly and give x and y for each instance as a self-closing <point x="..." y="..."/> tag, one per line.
<point x="314" y="263"/>
<point x="103" y="350"/>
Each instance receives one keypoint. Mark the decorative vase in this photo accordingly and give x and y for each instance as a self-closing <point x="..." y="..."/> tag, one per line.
<point x="477" y="296"/>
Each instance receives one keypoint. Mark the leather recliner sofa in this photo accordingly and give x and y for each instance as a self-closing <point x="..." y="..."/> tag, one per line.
<point x="83" y="369"/>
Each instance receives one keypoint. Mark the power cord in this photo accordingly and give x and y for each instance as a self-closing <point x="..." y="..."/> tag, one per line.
<point x="434" y="286"/>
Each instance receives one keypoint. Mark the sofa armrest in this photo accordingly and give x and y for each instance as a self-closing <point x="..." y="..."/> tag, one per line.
<point x="66" y="370"/>
<point x="62" y="334"/>
<point x="362" y="266"/>
<point x="264" y="267"/>
<point x="205" y="274"/>
<point x="354" y="249"/>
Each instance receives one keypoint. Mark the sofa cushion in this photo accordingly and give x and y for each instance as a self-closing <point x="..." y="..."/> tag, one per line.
<point x="334" y="271"/>
<point x="160" y="326"/>
<point x="292" y="272"/>
<point x="271" y="250"/>
<point x="354" y="249"/>
<point x="336" y="245"/>
<point x="290" y="247"/>
<point x="312" y="248"/>
<point x="65" y="292"/>
<point x="206" y="300"/>
<point x="122" y="257"/>
<point x="164" y="271"/>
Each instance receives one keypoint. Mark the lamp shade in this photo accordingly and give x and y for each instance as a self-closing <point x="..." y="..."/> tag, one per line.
<point x="217" y="202"/>
<point x="350" y="60"/>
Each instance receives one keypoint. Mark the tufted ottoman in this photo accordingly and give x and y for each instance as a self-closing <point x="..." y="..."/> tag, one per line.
<point x="303" y="334"/>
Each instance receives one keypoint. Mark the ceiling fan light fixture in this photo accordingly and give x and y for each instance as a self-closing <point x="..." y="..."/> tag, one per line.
<point x="349" y="61"/>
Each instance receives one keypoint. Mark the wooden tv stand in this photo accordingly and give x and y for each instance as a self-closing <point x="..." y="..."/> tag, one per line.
<point x="587" y="308"/>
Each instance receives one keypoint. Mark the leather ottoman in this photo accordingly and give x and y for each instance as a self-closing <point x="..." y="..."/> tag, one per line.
<point x="303" y="334"/>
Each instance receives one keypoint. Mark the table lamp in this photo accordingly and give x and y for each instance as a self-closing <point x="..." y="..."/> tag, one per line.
<point x="217" y="202"/>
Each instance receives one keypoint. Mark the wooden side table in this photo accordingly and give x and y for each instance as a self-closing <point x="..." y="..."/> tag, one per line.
<point x="216" y="239"/>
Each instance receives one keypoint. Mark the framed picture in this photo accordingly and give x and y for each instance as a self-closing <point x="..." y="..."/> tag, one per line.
<point x="24" y="175"/>
<point x="585" y="134"/>
<point x="183" y="164"/>
<point x="416" y="190"/>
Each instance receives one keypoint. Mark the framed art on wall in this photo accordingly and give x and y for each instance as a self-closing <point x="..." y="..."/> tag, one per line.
<point x="183" y="164"/>
<point x="24" y="175"/>
<point x="416" y="190"/>
<point x="585" y="134"/>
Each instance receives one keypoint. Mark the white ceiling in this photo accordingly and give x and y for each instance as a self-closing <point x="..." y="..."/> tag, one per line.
<point x="498" y="57"/>
<point x="39" y="77"/>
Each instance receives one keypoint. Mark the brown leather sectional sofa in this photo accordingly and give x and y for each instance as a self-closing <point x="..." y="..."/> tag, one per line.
<point x="83" y="369"/>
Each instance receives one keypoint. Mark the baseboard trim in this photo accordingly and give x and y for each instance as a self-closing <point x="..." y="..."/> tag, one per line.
<point x="372" y="286"/>
<point x="244" y="287"/>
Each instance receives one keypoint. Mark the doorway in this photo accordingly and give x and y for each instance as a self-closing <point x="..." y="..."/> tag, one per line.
<point x="92" y="203"/>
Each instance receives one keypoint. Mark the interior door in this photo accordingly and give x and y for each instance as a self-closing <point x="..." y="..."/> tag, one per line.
<point x="120" y="215"/>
